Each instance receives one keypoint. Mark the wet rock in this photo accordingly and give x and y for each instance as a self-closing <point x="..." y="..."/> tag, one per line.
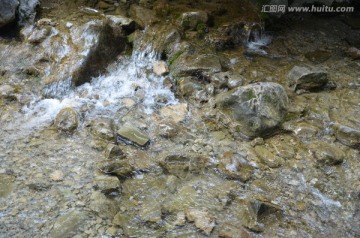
<point x="167" y="129"/>
<point x="103" y="129"/>
<point x="256" y="109"/>
<point x="132" y="136"/>
<point x="234" y="166"/>
<point x="66" y="120"/>
<point x="177" y="113"/>
<point x="113" y="151"/>
<point x="160" y="68"/>
<point x="143" y="16"/>
<point x="318" y="56"/>
<point x="121" y="168"/>
<point x="307" y="78"/>
<point x="172" y="182"/>
<point x="187" y="87"/>
<point x="121" y="23"/>
<point x="7" y="11"/>
<point x="57" y="175"/>
<point x="353" y="53"/>
<point x="182" y="165"/>
<point x="268" y="157"/>
<point x="151" y="212"/>
<point x="107" y="184"/>
<point x="27" y="11"/>
<point x="347" y="135"/>
<point x="38" y="35"/>
<point x="69" y="224"/>
<point x="191" y="20"/>
<point x="231" y="231"/>
<point x="202" y="219"/>
<point x="6" y="184"/>
<point x="328" y="154"/>
<point x="187" y="64"/>
<point x="39" y="186"/>
<point x="105" y="207"/>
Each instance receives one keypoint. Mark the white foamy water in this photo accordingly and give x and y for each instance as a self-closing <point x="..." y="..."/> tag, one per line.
<point x="130" y="77"/>
<point x="257" y="39"/>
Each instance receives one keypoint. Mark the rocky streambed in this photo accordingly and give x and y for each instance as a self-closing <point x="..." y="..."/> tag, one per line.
<point x="179" y="119"/>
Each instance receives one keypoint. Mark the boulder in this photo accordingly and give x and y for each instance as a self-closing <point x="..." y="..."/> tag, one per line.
<point x="254" y="110"/>
<point x="307" y="78"/>
<point x="27" y="11"/>
<point x="66" y="120"/>
<point x="191" y="20"/>
<point x="7" y="11"/>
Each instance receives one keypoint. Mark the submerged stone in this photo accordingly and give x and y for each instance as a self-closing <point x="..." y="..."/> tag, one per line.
<point x="327" y="154"/>
<point x="107" y="184"/>
<point x="202" y="219"/>
<point x="66" y="120"/>
<point x="104" y="206"/>
<point x="347" y="135"/>
<point x="6" y="184"/>
<point x="268" y="158"/>
<point x="132" y="135"/>
<point x="177" y="113"/>
<point x="69" y="224"/>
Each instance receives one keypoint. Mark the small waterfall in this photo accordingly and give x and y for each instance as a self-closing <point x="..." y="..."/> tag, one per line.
<point x="129" y="77"/>
<point x="256" y="38"/>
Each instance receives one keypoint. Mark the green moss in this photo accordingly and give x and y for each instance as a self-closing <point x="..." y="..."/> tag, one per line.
<point x="249" y="94"/>
<point x="175" y="56"/>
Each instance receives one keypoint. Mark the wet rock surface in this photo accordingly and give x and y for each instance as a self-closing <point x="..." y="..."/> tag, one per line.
<point x="296" y="175"/>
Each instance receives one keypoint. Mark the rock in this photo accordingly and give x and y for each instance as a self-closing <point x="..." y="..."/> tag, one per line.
<point x="151" y="212"/>
<point x="6" y="184"/>
<point x="6" y="91"/>
<point x="203" y="220"/>
<point x="231" y="231"/>
<point x="180" y="219"/>
<point x="181" y="165"/>
<point x="347" y="135"/>
<point x="105" y="207"/>
<point x="267" y="157"/>
<point x="69" y="224"/>
<point x="353" y="53"/>
<point x="57" y="175"/>
<point x="39" y="34"/>
<point x="234" y="166"/>
<point x="307" y="78"/>
<point x="191" y="20"/>
<point x="27" y="11"/>
<point x="229" y="80"/>
<point x="188" y="64"/>
<point x="103" y="129"/>
<point x="131" y="135"/>
<point x="66" y="120"/>
<point x="121" y="168"/>
<point x="167" y="129"/>
<point x="160" y="68"/>
<point x="327" y="154"/>
<point x="256" y="109"/>
<point x="7" y="11"/>
<point x="107" y="184"/>
<point x="188" y="87"/>
<point x="113" y="152"/>
<point x="177" y="113"/>
<point x="142" y="16"/>
<point x="121" y="23"/>
<point x="318" y="56"/>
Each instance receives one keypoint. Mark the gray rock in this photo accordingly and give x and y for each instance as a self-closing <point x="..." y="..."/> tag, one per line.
<point x="27" y="11"/>
<point x="133" y="136"/>
<point x="191" y="20"/>
<point x="307" y="78"/>
<point x="7" y="11"/>
<point x="68" y="225"/>
<point x="66" y="120"/>
<point x="256" y="109"/>
<point x="347" y="135"/>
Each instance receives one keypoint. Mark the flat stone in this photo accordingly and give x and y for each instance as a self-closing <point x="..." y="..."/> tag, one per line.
<point x="132" y="135"/>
